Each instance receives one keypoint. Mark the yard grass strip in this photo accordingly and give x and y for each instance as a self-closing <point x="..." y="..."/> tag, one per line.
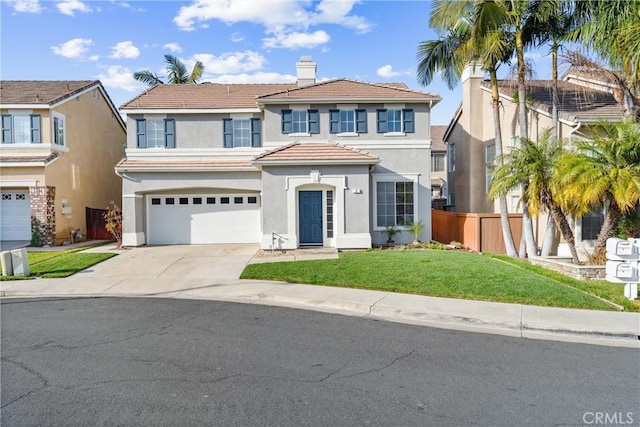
<point x="66" y="263"/>
<point x="613" y="292"/>
<point x="451" y="274"/>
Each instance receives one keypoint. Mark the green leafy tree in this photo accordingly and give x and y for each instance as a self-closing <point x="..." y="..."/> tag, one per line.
<point x="603" y="172"/>
<point x="176" y="73"/>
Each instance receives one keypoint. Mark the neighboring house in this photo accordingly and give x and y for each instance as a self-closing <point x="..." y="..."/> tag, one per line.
<point x="438" y="167"/>
<point x="60" y="142"/>
<point x="470" y="137"/>
<point x="282" y="165"/>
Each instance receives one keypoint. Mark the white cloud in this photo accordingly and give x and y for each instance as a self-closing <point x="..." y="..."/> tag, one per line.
<point x="120" y="77"/>
<point x="281" y="19"/>
<point x="259" y="77"/>
<point x="124" y="49"/>
<point x="173" y="47"/>
<point x="26" y="6"/>
<point x="74" y="48"/>
<point x="229" y="62"/>
<point x="237" y="37"/>
<point x="337" y="12"/>
<point x="94" y="58"/>
<point x="296" y="40"/>
<point x="387" y="72"/>
<point x="70" y="7"/>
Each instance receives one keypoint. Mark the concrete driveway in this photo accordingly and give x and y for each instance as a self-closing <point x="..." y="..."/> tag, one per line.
<point x="171" y="267"/>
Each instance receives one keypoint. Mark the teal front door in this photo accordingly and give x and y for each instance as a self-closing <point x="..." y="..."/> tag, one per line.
<point x="310" y="217"/>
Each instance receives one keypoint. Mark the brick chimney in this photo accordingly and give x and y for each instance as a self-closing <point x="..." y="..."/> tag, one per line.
<point x="306" y="71"/>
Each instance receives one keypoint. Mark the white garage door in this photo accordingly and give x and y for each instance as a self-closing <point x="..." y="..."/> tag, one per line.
<point x="15" y="215"/>
<point x="200" y="219"/>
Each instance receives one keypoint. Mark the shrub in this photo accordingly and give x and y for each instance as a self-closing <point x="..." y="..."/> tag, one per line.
<point x="113" y="219"/>
<point x="416" y="228"/>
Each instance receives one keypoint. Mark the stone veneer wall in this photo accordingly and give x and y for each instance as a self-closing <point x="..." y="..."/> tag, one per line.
<point x="43" y="214"/>
<point x="564" y="266"/>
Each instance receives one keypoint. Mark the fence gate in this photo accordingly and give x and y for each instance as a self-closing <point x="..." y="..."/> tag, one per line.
<point x="96" y="225"/>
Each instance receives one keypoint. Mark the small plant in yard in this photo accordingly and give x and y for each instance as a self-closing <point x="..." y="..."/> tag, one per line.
<point x="391" y="231"/>
<point x="416" y="228"/>
<point x="35" y="236"/>
<point x="113" y="219"/>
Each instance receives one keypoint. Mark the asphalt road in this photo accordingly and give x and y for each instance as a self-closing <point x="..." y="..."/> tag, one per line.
<point x="110" y="361"/>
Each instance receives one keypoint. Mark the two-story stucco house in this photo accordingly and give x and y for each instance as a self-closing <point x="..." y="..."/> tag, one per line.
<point x="470" y="138"/>
<point x="284" y="165"/>
<point x="60" y="142"/>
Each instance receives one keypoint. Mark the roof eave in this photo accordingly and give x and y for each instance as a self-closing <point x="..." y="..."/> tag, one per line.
<point x="314" y="162"/>
<point x="430" y="100"/>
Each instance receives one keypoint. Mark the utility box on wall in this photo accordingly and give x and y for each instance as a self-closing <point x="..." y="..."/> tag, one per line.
<point x="623" y="264"/>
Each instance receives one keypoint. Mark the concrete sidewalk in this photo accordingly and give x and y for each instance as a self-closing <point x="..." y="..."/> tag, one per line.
<point x="584" y="326"/>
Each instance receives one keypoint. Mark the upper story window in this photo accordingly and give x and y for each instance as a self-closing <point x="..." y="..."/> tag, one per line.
<point x="437" y="162"/>
<point x="348" y="121"/>
<point x="395" y="121"/>
<point x="20" y="128"/>
<point x="59" y="129"/>
<point x="156" y="133"/>
<point x="490" y="155"/>
<point x="300" y="121"/>
<point x="451" y="148"/>
<point x="241" y="133"/>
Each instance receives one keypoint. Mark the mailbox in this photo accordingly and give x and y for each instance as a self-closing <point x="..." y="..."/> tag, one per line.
<point x="620" y="249"/>
<point x="622" y="271"/>
<point x="623" y="264"/>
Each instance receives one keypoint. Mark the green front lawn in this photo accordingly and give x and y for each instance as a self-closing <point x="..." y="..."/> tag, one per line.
<point x="56" y="264"/>
<point x="444" y="274"/>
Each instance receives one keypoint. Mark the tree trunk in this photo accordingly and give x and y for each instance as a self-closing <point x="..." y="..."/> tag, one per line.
<point x="611" y="218"/>
<point x="549" y="237"/>
<point x="565" y="229"/>
<point x="507" y="235"/>
<point x="527" y="225"/>
<point x="554" y="91"/>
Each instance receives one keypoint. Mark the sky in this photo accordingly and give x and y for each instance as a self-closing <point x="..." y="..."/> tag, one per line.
<point x="238" y="41"/>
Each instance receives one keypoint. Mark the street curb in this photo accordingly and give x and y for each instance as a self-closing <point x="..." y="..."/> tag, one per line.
<point x="506" y="319"/>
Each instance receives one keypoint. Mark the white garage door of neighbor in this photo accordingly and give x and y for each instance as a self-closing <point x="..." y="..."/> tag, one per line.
<point x="15" y="215"/>
<point x="201" y="219"/>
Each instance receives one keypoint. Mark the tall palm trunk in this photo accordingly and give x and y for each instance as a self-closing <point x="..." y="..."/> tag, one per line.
<point x="507" y="235"/>
<point x="548" y="241"/>
<point x="527" y="224"/>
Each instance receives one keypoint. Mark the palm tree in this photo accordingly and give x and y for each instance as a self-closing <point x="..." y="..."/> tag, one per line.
<point x="513" y="17"/>
<point x="535" y="163"/>
<point x="450" y="54"/>
<point x="610" y="29"/>
<point x="176" y="73"/>
<point x="604" y="171"/>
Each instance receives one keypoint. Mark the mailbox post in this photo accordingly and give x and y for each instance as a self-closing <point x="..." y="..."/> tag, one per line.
<point x="623" y="264"/>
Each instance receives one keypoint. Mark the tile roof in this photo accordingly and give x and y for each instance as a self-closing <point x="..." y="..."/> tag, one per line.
<point x="29" y="159"/>
<point x="437" y="135"/>
<point x="181" y="164"/>
<point x="40" y="91"/>
<point x="577" y="103"/>
<point x="314" y="152"/>
<point x="350" y="89"/>
<point x="206" y="95"/>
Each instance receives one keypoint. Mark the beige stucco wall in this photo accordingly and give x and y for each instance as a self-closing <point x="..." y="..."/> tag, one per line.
<point x="84" y="175"/>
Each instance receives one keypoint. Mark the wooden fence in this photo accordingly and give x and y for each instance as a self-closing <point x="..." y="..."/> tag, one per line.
<point x="480" y="232"/>
<point x="96" y="225"/>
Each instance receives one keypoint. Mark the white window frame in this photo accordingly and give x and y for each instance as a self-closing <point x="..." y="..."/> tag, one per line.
<point x="242" y="125"/>
<point x="300" y="121"/>
<point x="54" y="137"/>
<point x="414" y="178"/>
<point x="489" y="164"/>
<point x="451" y="157"/>
<point x="435" y="155"/>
